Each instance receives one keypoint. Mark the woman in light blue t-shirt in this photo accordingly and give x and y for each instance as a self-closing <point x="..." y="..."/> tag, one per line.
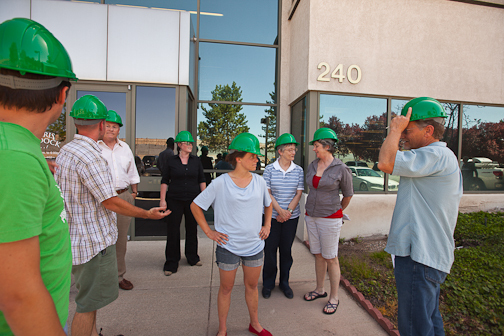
<point x="238" y="199"/>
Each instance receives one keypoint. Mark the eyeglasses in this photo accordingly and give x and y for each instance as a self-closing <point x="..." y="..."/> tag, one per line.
<point x="292" y="150"/>
<point x="186" y="143"/>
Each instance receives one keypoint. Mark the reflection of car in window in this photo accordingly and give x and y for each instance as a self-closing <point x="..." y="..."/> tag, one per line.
<point x="356" y="163"/>
<point x="480" y="173"/>
<point x="366" y="179"/>
<point x="149" y="160"/>
<point x="151" y="168"/>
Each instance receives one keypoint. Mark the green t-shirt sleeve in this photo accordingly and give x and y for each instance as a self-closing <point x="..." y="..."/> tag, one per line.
<point x="25" y="188"/>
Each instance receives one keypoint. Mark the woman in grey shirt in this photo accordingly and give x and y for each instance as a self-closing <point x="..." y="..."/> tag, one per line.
<point x="325" y="176"/>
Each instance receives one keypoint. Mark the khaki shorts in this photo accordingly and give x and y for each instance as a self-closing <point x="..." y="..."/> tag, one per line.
<point x="96" y="281"/>
<point x="323" y="235"/>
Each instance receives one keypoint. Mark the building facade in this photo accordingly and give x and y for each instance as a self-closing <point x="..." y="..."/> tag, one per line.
<point x="218" y="68"/>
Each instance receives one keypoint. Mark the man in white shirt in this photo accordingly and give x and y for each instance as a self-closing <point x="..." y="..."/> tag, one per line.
<point x="124" y="174"/>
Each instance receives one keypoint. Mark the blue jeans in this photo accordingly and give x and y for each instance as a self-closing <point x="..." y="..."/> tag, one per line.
<point x="418" y="289"/>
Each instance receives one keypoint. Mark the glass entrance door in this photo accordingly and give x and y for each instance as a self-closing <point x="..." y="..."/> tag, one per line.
<point x="154" y="120"/>
<point x="149" y="117"/>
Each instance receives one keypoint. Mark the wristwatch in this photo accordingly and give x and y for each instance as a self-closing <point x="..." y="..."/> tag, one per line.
<point x="290" y="210"/>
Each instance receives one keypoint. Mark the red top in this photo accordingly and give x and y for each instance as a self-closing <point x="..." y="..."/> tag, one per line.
<point x="337" y="214"/>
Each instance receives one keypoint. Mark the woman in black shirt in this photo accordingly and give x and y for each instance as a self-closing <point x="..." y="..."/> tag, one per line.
<point x="183" y="173"/>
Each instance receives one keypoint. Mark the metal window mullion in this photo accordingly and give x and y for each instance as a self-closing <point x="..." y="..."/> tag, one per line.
<point x="234" y="103"/>
<point x="249" y="44"/>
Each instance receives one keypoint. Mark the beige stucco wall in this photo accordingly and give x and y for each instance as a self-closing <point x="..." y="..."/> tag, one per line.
<point x="294" y="58"/>
<point x="444" y="49"/>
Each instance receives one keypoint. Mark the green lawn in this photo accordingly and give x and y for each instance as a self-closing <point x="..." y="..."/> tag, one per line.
<point x="472" y="297"/>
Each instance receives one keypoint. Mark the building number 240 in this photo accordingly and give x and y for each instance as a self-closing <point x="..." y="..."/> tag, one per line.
<point x="338" y="73"/>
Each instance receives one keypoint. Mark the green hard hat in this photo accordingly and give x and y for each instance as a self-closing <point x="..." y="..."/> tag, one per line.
<point x="324" y="133"/>
<point x="204" y="148"/>
<point x="114" y="117"/>
<point x="89" y="107"/>
<point x="27" y="46"/>
<point x="285" y="138"/>
<point x="184" y="136"/>
<point x="424" y="108"/>
<point x="246" y="142"/>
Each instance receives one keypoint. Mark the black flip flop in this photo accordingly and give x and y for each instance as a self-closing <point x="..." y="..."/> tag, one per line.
<point x="330" y="306"/>
<point x="314" y="296"/>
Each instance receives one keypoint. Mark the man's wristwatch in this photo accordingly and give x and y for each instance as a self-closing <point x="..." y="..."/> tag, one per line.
<point x="290" y="210"/>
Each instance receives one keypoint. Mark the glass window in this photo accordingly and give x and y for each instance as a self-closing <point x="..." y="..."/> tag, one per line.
<point x="450" y="135"/>
<point x="85" y="1"/>
<point x="155" y="122"/>
<point x="251" y="68"/>
<point x="482" y="161"/>
<point x="218" y="124"/>
<point x="188" y="5"/>
<point x="241" y="21"/>
<point x="54" y="137"/>
<point x="396" y="106"/>
<point x="298" y="130"/>
<point x="113" y="101"/>
<point x="360" y="123"/>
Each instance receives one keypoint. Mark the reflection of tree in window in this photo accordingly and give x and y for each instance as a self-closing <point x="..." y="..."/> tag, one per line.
<point x="271" y="115"/>
<point x="362" y="141"/>
<point x="451" y="126"/>
<point x="484" y="139"/>
<point x="223" y="121"/>
<point x="59" y="127"/>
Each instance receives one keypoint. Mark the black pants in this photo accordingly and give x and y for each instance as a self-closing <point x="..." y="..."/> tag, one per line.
<point x="173" y="220"/>
<point x="280" y="238"/>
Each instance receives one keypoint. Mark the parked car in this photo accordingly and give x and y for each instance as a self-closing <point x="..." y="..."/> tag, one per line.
<point x="482" y="173"/>
<point x="366" y="179"/>
<point x="356" y="164"/>
<point x="149" y="160"/>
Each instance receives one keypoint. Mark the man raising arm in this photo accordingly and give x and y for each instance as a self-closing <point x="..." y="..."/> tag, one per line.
<point x="425" y="214"/>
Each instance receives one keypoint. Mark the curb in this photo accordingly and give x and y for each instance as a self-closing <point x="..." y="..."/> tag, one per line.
<point x="366" y="304"/>
<point x="375" y="313"/>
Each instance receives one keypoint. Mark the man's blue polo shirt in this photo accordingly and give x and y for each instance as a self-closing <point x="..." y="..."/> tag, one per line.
<point x="427" y="205"/>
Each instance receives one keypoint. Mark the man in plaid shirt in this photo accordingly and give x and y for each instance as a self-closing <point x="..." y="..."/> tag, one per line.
<point x="91" y="203"/>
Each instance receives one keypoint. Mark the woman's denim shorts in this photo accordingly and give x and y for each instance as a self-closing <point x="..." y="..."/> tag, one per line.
<point x="228" y="261"/>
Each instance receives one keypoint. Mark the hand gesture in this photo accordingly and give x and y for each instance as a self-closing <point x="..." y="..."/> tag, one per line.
<point x="158" y="213"/>
<point x="218" y="237"/>
<point x="400" y="122"/>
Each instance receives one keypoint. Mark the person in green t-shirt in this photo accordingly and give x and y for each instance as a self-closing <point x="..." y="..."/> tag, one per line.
<point x="35" y="255"/>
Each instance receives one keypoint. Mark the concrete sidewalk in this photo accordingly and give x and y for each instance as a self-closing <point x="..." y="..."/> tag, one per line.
<point x="185" y="303"/>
